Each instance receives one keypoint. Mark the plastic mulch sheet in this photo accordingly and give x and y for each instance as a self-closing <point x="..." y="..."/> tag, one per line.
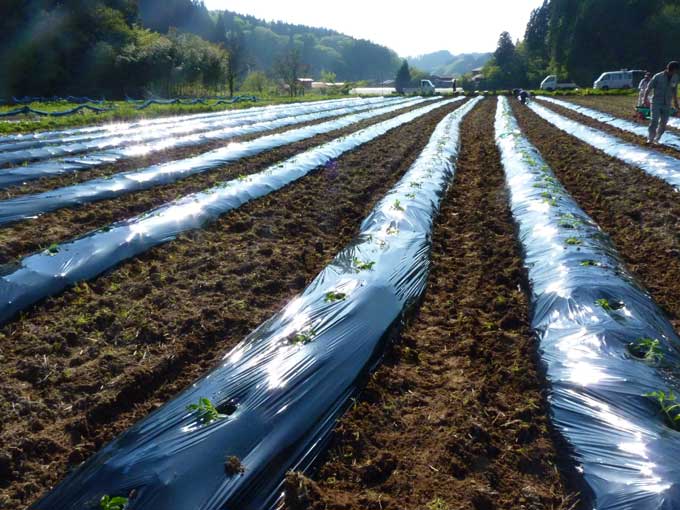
<point x="603" y="341"/>
<point x="31" y="150"/>
<point x="55" y="136"/>
<point x="281" y="389"/>
<point x="146" y="140"/>
<point x="670" y="139"/>
<point x="30" y="206"/>
<point x="47" y="273"/>
<point x="653" y="162"/>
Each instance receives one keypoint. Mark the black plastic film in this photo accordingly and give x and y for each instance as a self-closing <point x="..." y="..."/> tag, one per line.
<point x="603" y="341"/>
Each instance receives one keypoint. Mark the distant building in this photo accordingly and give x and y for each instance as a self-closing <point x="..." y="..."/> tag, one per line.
<point x="326" y="85"/>
<point x="477" y="75"/>
<point x="441" y="81"/>
<point x="306" y="83"/>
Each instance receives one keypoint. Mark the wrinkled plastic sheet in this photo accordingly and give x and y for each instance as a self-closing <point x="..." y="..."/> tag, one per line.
<point x="653" y="162"/>
<point x="70" y="99"/>
<point x="33" y="205"/>
<point x="669" y="139"/>
<point x="24" y="110"/>
<point x="54" y="136"/>
<point x="619" y="441"/>
<point x="286" y="395"/>
<point x="236" y="99"/>
<point x="47" y="273"/>
<point x="142" y="135"/>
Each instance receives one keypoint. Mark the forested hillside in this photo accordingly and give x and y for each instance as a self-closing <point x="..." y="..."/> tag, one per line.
<point x="583" y="39"/>
<point x="97" y="47"/>
<point x="444" y="63"/>
<point x="321" y="49"/>
<point x="163" y="47"/>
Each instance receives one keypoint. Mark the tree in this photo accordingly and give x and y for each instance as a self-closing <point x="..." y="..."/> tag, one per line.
<point x="505" y="52"/>
<point x="256" y="81"/>
<point x="328" y="77"/>
<point x="289" y="68"/>
<point x="403" y="78"/>
<point x="235" y="46"/>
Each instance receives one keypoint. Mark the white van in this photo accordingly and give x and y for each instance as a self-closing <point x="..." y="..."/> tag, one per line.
<point x="550" y="83"/>
<point x="426" y="87"/>
<point x="623" y="79"/>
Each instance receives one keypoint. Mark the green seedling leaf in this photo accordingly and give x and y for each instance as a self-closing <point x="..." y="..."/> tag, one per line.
<point x="303" y="337"/>
<point x="397" y="205"/>
<point x="205" y="410"/>
<point x="113" y="503"/>
<point x="573" y="241"/>
<point x="333" y="296"/>
<point x="361" y="265"/>
<point x="609" y="306"/>
<point x="648" y="349"/>
<point x="668" y="405"/>
<point x="53" y="249"/>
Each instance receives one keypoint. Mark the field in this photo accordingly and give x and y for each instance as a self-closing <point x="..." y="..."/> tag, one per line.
<point x="120" y="111"/>
<point x="402" y="303"/>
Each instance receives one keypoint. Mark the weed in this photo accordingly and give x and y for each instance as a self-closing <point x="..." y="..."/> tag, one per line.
<point x="53" y="249"/>
<point x="669" y="406"/>
<point x="392" y="231"/>
<point x="410" y="195"/>
<point x="242" y="177"/>
<point x="206" y="410"/>
<point x="437" y="504"/>
<point x="113" y="503"/>
<point x="588" y="263"/>
<point x="646" y="348"/>
<point x="397" y="205"/>
<point x="416" y="184"/>
<point x="362" y="266"/>
<point x="333" y="296"/>
<point x="573" y="241"/>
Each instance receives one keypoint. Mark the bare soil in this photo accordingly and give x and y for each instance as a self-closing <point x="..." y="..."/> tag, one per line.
<point x="82" y="367"/>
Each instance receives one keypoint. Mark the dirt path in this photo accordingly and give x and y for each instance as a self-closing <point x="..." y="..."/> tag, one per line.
<point x="639" y="212"/>
<point x="82" y="367"/>
<point x="455" y="417"/>
<point x="32" y="235"/>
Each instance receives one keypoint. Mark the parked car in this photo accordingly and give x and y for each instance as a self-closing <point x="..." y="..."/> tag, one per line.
<point x="623" y="79"/>
<point x="551" y="83"/>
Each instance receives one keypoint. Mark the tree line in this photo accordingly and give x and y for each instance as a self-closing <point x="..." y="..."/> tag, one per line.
<point x="581" y="39"/>
<point x="166" y="48"/>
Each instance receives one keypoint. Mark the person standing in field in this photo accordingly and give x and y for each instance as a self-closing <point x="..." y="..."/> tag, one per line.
<point x="664" y="89"/>
<point x="644" y="83"/>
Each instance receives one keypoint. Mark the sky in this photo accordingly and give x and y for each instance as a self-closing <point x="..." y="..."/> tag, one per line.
<point x="460" y="26"/>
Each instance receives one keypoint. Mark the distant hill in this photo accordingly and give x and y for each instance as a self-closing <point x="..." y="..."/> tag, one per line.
<point x="447" y="64"/>
<point x="321" y="49"/>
